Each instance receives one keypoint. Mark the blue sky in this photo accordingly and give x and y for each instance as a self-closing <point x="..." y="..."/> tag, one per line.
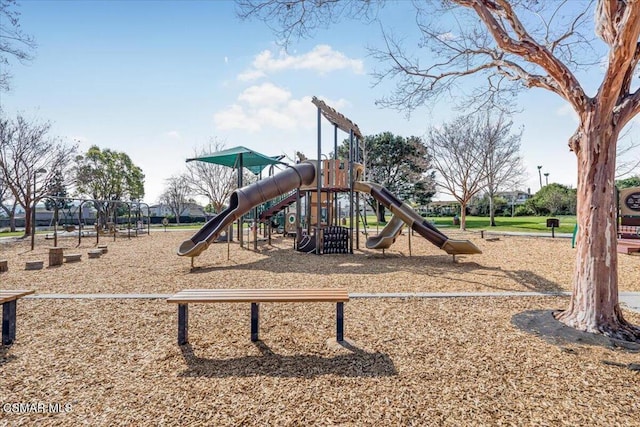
<point x="157" y="79"/>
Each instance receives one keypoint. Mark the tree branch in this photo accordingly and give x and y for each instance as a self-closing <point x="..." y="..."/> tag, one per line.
<point x="627" y="109"/>
<point x="621" y="31"/>
<point x="526" y="48"/>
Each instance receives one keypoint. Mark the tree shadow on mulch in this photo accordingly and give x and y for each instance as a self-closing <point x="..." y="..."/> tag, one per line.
<point x="357" y="363"/>
<point x="278" y="260"/>
<point x="542" y="323"/>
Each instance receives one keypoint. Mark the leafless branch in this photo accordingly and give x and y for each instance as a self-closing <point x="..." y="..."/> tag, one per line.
<point x="618" y="24"/>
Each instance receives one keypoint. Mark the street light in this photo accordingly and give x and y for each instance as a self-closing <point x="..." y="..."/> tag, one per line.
<point x="546" y="177"/>
<point x="33" y="212"/>
<point x="540" y="175"/>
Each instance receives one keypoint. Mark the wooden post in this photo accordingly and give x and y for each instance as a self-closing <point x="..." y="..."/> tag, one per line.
<point x="4" y="265"/>
<point x="56" y="256"/>
<point x="410" y="229"/>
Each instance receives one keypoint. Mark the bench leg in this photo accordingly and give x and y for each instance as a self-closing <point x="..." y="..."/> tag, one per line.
<point x="8" y="322"/>
<point x="183" y="324"/>
<point x="255" y="320"/>
<point x="340" y="321"/>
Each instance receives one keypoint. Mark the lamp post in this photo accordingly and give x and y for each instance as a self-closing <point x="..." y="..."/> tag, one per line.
<point x="33" y="212"/>
<point x="546" y="178"/>
<point x="540" y="175"/>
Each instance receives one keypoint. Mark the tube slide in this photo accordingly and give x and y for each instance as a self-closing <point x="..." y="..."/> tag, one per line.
<point x="405" y="213"/>
<point x="244" y="199"/>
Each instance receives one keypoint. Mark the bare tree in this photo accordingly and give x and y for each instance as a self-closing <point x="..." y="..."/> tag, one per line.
<point x="14" y="43"/>
<point x="457" y="150"/>
<point x="176" y="194"/>
<point x="525" y="44"/>
<point x="8" y="208"/>
<point x="216" y="182"/>
<point x="29" y="159"/>
<point x="503" y="164"/>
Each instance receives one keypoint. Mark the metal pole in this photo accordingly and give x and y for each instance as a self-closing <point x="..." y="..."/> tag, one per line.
<point x="80" y="222"/>
<point x="33" y="214"/>
<point x="240" y="220"/>
<point x="351" y="191"/>
<point x="55" y="224"/>
<point x="298" y="217"/>
<point x="335" y="173"/>
<point x="319" y="183"/>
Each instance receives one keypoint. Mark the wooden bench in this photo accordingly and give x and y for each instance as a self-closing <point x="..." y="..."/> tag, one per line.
<point x="73" y="258"/>
<point x="9" y="302"/>
<point x="95" y="253"/>
<point x="628" y="246"/>
<point x="256" y="296"/>
<point x="34" y="265"/>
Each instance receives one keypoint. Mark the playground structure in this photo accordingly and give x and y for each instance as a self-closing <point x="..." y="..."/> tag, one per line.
<point x="320" y="182"/>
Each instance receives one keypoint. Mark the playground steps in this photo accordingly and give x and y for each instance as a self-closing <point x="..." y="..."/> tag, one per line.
<point x="287" y="201"/>
<point x="628" y="246"/>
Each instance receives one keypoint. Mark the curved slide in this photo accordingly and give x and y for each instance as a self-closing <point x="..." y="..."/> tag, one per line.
<point x="403" y="212"/>
<point x="387" y="236"/>
<point x="244" y="199"/>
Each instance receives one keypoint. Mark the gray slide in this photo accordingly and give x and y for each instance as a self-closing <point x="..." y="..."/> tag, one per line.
<point x="404" y="212"/>
<point x="387" y="236"/>
<point x="244" y="199"/>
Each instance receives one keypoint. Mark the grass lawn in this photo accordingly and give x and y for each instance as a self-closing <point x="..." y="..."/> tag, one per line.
<point x="518" y="223"/>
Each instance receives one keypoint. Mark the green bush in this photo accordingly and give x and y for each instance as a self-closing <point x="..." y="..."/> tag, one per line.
<point x="524" y="211"/>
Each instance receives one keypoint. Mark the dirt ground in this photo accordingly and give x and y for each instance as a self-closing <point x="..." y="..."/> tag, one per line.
<point x="442" y="361"/>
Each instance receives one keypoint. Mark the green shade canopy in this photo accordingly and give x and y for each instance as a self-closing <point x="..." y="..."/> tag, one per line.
<point x="236" y="156"/>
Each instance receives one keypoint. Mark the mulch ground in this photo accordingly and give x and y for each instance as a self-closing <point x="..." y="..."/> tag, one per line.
<point x="453" y="361"/>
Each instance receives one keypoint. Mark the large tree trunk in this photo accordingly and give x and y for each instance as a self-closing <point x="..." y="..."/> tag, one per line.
<point x="11" y="213"/>
<point x="594" y="302"/>
<point x="463" y="216"/>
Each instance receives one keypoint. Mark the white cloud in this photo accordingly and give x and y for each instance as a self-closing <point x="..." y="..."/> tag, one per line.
<point x="234" y="117"/>
<point x="265" y="94"/>
<point x="321" y="59"/>
<point x="269" y="106"/>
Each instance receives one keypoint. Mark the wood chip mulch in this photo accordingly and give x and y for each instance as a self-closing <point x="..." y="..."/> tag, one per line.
<point x="450" y="361"/>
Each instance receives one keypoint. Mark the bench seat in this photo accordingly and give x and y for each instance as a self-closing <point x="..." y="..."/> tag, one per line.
<point x="8" y="299"/>
<point x="254" y="297"/>
<point x="72" y="257"/>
